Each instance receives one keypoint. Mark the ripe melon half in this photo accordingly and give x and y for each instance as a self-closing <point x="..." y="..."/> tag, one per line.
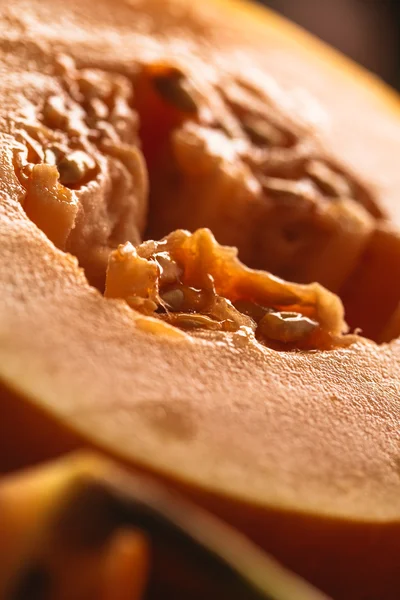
<point x="210" y="123"/>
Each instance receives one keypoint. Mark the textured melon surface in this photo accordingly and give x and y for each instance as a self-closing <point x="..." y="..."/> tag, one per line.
<point x="300" y="450"/>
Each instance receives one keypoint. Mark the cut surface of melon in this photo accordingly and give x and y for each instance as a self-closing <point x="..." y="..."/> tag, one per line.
<point x="298" y="449"/>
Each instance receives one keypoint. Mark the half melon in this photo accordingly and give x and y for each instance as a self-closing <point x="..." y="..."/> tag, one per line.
<point x="285" y="426"/>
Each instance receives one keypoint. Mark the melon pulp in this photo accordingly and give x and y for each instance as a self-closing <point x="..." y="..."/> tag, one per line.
<point x="298" y="450"/>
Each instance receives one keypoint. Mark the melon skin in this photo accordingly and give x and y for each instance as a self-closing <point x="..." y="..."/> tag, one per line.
<point x="300" y="452"/>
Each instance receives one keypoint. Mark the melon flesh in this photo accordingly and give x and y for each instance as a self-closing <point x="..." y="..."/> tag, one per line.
<point x="300" y="450"/>
<point x="371" y="293"/>
<point x="82" y="528"/>
<point x="286" y="446"/>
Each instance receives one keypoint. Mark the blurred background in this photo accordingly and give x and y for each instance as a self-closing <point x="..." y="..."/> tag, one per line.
<point x="366" y="30"/>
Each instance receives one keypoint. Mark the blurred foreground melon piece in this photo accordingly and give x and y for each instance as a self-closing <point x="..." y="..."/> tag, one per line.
<point x="81" y="529"/>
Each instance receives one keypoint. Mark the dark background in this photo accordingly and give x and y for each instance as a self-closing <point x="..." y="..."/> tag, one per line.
<point x="366" y="30"/>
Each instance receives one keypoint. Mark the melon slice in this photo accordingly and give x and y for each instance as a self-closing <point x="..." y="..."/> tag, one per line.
<point x="81" y="528"/>
<point x="297" y="447"/>
<point x="273" y="441"/>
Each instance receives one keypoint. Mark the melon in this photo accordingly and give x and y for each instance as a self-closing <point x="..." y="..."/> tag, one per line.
<point x="82" y="528"/>
<point x="190" y="195"/>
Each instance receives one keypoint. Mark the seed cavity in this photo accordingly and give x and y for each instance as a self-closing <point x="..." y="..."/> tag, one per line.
<point x="189" y="281"/>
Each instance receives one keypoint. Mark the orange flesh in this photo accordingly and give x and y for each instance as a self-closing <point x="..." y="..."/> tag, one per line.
<point x="165" y="99"/>
<point x="160" y="120"/>
<point x="371" y="294"/>
<point x="287" y="446"/>
<point x="193" y="283"/>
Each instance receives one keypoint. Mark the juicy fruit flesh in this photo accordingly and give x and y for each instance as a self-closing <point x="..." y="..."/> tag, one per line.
<point x="189" y="281"/>
<point x="57" y="176"/>
<point x="207" y="153"/>
<point x="314" y="427"/>
<point x="84" y="178"/>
